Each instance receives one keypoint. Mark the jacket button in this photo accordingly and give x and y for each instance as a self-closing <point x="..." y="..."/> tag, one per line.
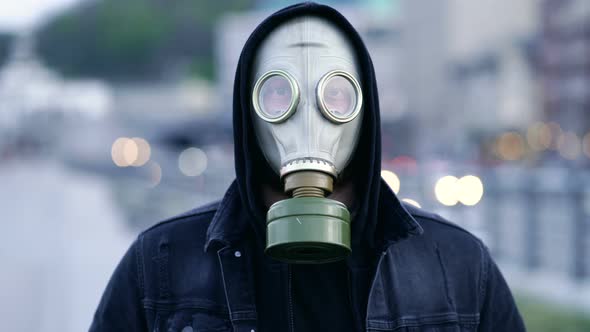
<point x="187" y="329"/>
<point x="238" y="253"/>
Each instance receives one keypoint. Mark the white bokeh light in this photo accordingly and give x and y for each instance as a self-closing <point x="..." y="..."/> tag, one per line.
<point x="392" y="180"/>
<point x="192" y="161"/>
<point x="411" y="202"/>
<point x="470" y="190"/>
<point x="446" y="190"/>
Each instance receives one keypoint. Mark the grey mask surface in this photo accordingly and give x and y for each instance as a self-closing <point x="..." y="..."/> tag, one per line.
<point x="307" y="111"/>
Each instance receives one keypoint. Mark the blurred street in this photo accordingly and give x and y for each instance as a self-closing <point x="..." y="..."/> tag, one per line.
<point x="61" y="238"/>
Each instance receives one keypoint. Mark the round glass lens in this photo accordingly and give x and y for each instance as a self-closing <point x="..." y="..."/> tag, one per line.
<point x="339" y="96"/>
<point x="275" y="96"/>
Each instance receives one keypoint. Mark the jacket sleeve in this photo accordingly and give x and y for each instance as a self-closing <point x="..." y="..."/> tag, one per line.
<point x="499" y="311"/>
<point x="120" y="307"/>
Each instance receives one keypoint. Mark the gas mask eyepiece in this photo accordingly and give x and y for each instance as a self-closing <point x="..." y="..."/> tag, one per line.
<point x="307" y="106"/>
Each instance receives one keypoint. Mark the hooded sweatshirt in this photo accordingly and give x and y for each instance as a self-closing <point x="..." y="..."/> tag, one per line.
<point x="313" y="287"/>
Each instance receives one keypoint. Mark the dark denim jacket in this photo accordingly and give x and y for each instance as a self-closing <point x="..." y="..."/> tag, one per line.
<point x="182" y="275"/>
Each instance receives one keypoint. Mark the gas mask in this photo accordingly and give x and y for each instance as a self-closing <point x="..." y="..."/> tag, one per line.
<point x="307" y="111"/>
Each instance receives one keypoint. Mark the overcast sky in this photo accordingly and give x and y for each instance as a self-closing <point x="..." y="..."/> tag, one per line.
<point x="17" y="15"/>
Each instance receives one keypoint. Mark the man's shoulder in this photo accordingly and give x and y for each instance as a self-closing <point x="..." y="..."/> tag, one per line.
<point x="191" y="224"/>
<point x="442" y="231"/>
<point x="448" y="243"/>
<point x="444" y="269"/>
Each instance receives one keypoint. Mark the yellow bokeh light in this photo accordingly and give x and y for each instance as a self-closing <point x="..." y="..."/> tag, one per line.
<point x="510" y="146"/>
<point x="117" y="152"/>
<point x="392" y="180"/>
<point x="470" y="190"/>
<point x="412" y="202"/>
<point x="569" y="145"/>
<point x="130" y="151"/>
<point x="192" y="162"/>
<point x="446" y="190"/>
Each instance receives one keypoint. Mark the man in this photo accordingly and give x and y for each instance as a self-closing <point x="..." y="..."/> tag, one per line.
<point x="306" y="126"/>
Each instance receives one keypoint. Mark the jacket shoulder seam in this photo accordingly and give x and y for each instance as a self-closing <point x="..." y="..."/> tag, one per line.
<point x="440" y="220"/>
<point x="139" y="261"/>
<point x="187" y="215"/>
<point x="483" y="274"/>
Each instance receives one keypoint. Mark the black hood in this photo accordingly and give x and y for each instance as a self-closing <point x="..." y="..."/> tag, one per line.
<point x="251" y="166"/>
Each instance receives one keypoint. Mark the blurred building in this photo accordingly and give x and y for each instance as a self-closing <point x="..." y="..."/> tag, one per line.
<point x="565" y="66"/>
<point x="28" y="87"/>
<point x="491" y="71"/>
<point x="171" y="98"/>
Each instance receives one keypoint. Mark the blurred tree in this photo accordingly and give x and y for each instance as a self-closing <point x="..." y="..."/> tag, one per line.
<point x="5" y="44"/>
<point x="134" y="39"/>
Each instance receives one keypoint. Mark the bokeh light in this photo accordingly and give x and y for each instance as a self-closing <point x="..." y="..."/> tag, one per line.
<point x="117" y="152"/>
<point x="446" y="190"/>
<point x="510" y="146"/>
<point x="586" y="145"/>
<point x="470" y="190"/>
<point x="539" y="136"/>
<point x="154" y="173"/>
<point x="130" y="151"/>
<point x="144" y="151"/>
<point x="569" y="145"/>
<point x="192" y="161"/>
<point x="556" y="132"/>
<point x="392" y="180"/>
<point x="412" y="202"/>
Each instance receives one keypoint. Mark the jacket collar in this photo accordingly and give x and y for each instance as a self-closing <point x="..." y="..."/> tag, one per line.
<point x="395" y="222"/>
<point x="230" y="224"/>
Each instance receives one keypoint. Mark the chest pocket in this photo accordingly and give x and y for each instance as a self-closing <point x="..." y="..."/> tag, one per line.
<point x="415" y="291"/>
<point x="191" y="321"/>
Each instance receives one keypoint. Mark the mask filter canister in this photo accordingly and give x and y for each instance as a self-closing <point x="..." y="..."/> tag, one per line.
<point x="308" y="228"/>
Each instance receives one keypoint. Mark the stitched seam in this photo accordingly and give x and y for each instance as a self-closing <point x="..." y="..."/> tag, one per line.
<point x="139" y="265"/>
<point x="197" y="213"/>
<point x="224" y="284"/>
<point x="483" y="275"/>
<point x="163" y="268"/>
<point x="446" y="223"/>
<point x="162" y="273"/>
<point x="413" y="321"/>
<point x="444" y="274"/>
<point x="377" y="275"/>
<point x="162" y="306"/>
<point x="243" y="315"/>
